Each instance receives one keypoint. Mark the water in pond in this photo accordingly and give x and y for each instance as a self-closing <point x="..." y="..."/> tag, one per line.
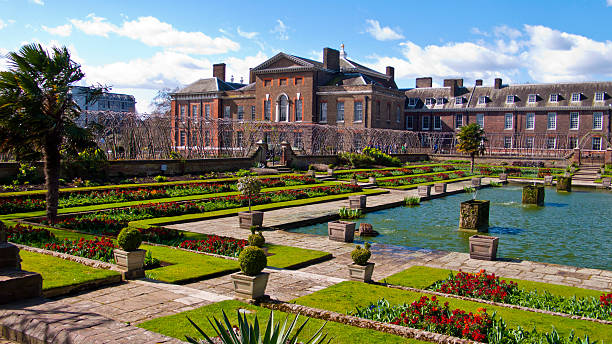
<point x="572" y="228"/>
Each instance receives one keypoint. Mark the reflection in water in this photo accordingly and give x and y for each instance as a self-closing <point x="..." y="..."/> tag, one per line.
<point x="570" y="229"/>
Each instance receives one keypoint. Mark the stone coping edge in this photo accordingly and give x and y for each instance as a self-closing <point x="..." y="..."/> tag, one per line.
<point x="493" y="303"/>
<point x="85" y="286"/>
<point x="403" y="331"/>
<point x="85" y="261"/>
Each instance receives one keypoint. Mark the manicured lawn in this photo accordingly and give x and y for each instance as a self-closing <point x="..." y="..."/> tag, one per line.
<point x="422" y="277"/>
<point x="57" y="272"/>
<point x="345" y="296"/>
<point x="177" y="325"/>
<point x="413" y="186"/>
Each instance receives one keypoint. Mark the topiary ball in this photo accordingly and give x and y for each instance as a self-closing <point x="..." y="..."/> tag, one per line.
<point x="360" y="255"/>
<point x="129" y="239"/>
<point x="252" y="260"/>
<point x="257" y="240"/>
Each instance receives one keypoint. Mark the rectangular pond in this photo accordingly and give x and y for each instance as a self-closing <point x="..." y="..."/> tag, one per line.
<point x="572" y="228"/>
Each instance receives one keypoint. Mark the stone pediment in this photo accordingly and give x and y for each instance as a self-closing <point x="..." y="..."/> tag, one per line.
<point x="284" y="61"/>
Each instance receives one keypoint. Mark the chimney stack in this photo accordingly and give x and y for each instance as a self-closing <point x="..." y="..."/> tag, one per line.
<point x="391" y="72"/>
<point x="478" y="82"/>
<point x="251" y="76"/>
<point x="219" y="71"/>
<point x="423" y="82"/>
<point x="497" y="84"/>
<point x="331" y="59"/>
<point x="454" y="85"/>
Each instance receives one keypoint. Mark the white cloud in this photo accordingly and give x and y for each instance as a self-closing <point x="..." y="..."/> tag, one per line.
<point x="239" y="67"/>
<point x="504" y="30"/>
<point x="61" y="30"/>
<point x="281" y="30"/>
<point x="381" y="33"/>
<point x="38" y="2"/>
<point x="155" y="33"/>
<point x="609" y="2"/>
<point x="477" y="31"/>
<point x="245" y="34"/>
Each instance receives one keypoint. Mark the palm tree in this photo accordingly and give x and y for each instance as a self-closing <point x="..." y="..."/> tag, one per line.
<point x="37" y="111"/>
<point x="471" y="141"/>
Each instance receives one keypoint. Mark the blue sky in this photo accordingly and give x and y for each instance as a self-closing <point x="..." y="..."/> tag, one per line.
<point x="139" y="47"/>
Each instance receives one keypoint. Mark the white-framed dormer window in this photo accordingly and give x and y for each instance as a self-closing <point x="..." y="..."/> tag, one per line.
<point x="430" y="101"/>
<point x="482" y="100"/>
<point x="574" y="120"/>
<point x="532" y="98"/>
<point x="598" y="120"/>
<point x="554" y="98"/>
<point x="551" y="121"/>
<point x="425" y="124"/>
<point x="575" y="97"/>
<point x="599" y="96"/>
<point x="440" y="101"/>
<point x="508" y="121"/>
<point x="509" y="99"/>
<point x="530" y="121"/>
<point x="412" y="101"/>
<point x="458" y="100"/>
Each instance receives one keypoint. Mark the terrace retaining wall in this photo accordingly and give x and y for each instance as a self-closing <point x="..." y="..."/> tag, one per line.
<point x="497" y="160"/>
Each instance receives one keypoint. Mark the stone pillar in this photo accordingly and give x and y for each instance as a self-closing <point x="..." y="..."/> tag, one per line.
<point x="262" y="152"/>
<point x="474" y="215"/>
<point x="608" y="156"/>
<point x="286" y="154"/>
<point x="576" y="156"/>
<point x="533" y="194"/>
<point x="564" y="184"/>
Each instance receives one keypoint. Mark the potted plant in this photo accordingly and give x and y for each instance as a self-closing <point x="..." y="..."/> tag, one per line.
<point x="249" y="187"/>
<point x="129" y="257"/>
<point x="483" y="247"/>
<point x="257" y="239"/>
<point x="361" y="269"/>
<point x="358" y="202"/>
<point x="251" y="282"/>
<point x="341" y="231"/>
<point x="474" y="214"/>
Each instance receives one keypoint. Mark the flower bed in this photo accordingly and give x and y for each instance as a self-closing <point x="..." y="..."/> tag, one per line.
<point x="83" y="198"/>
<point x="516" y="171"/>
<point x="111" y="222"/>
<point x="397" y="172"/>
<point x="215" y="244"/>
<point x="428" y="314"/>
<point x="99" y="248"/>
<point x="489" y="287"/>
<point x="25" y="235"/>
<point x="423" y="179"/>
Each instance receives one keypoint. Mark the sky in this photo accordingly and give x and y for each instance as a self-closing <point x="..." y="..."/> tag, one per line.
<point x="139" y="47"/>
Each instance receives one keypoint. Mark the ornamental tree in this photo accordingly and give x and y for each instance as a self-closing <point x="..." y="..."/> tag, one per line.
<point x="471" y="141"/>
<point x="38" y="113"/>
<point x="249" y="187"/>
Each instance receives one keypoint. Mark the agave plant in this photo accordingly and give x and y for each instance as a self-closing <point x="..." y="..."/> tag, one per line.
<point x="251" y="334"/>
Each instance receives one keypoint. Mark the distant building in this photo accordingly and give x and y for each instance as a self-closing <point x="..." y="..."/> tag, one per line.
<point x="115" y="102"/>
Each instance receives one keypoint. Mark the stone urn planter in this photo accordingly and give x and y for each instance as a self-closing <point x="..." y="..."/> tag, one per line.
<point x="129" y="257"/>
<point x="503" y="177"/>
<point x="247" y="219"/>
<point x="250" y="283"/>
<point x="357" y="202"/>
<point x="483" y="247"/>
<point x="548" y="180"/>
<point x="440" y="187"/>
<point x="424" y="190"/>
<point x="474" y="215"/>
<point x="476" y="181"/>
<point x="311" y="173"/>
<point x="361" y="270"/>
<point x="372" y="180"/>
<point x="533" y="194"/>
<point x="341" y="231"/>
<point x="564" y="184"/>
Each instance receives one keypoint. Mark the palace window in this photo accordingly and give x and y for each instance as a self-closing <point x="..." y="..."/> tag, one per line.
<point x="409" y="122"/>
<point x="323" y="112"/>
<point x="575" y="97"/>
<point x="529" y="142"/>
<point x="241" y="112"/>
<point x="398" y="115"/>
<point x="598" y="120"/>
<point x="459" y="100"/>
<point x="267" y="110"/>
<point x="508" y="121"/>
<point x="596" y="143"/>
<point x="532" y="98"/>
<point x="507" y="141"/>
<point x="267" y="82"/>
<point x="207" y="111"/>
<point x="252" y="113"/>
<point x="458" y="120"/>
<point x="298" y="81"/>
<point x="358" y="112"/>
<point x="551" y="121"/>
<point x="429" y="101"/>
<point x="340" y="109"/>
<point x="425" y="123"/>
<point x="574" y="120"/>
<point x="298" y="110"/>
<point x="282" y="82"/>
<point x="554" y="98"/>
<point x="530" y="121"/>
<point x="412" y="101"/>
<point x="599" y="97"/>
<point x="482" y="100"/>
<point x="551" y="142"/>
<point x="437" y="123"/>
<point x="510" y="99"/>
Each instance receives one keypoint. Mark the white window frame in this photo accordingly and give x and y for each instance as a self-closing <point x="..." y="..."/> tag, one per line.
<point x="576" y="97"/>
<point x="428" y="102"/>
<point x="458" y="120"/>
<point x="207" y="112"/>
<point x="423" y="120"/>
<point x="227" y="113"/>
<point x="410" y="119"/>
<point x="299" y="110"/>
<point x="532" y="98"/>
<point x="440" y="101"/>
<point x="596" y="121"/>
<point x="358" y="111"/>
<point x="529" y="141"/>
<point x="509" y="99"/>
<point x="554" y="98"/>
<point x="571" y="123"/>
<point x="267" y="110"/>
<point x="600" y="95"/>
<point x="482" y="100"/>
<point x="511" y="146"/>
<point x="554" y="142"/>
<point x="412" y="101"/>
<point x="511" y="117"/>
<point x="323" y="108"/>
<point x="549" y="116"/>
<point x="438" y="125"/>
<point x="528" y="116"/>
<point x="459" y="101"/>
<point x="598" y="138"/>
<point x="340" y="110"/>
<point x="240" y="112"/>
<point x="480" y="119"/>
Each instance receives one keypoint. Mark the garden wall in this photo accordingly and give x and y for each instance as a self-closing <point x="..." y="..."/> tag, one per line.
<point x="497" y="160"/>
